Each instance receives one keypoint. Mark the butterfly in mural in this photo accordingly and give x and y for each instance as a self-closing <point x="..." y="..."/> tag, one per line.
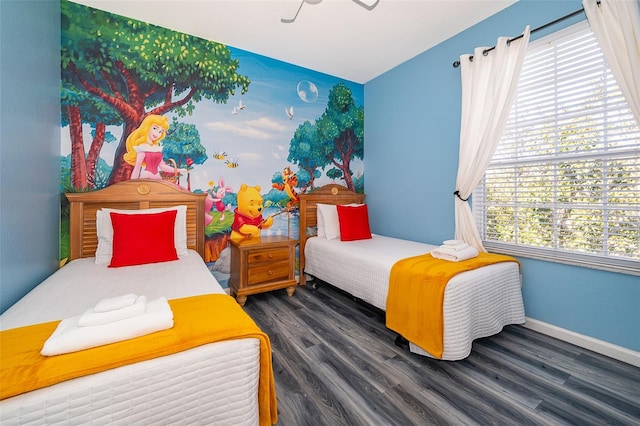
<point x="219" y="155"/>
<point x="241" y="105"/>
<point x="234" y="111"/>
<point x="232" y="164"/>
<point x="289" y="112"/>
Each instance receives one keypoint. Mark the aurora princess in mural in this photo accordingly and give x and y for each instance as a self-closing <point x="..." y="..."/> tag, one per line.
<point x="144" y="151"/>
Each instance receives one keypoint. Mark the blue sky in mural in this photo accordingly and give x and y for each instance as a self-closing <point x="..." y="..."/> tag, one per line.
<point x="253" y="130"/>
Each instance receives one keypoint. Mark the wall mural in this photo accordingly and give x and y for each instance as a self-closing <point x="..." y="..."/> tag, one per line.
<point x="141" y="101"/>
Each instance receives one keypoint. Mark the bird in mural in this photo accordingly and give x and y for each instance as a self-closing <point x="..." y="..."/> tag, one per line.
<point x="289" y="112"/>
<point x="234" y="111"/>
<point x="241" y="105"/>
<point x="219" y="155"/>
<point x="232" y="164"/>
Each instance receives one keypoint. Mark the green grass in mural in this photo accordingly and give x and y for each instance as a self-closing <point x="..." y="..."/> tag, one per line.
<point x="218" y="226"/>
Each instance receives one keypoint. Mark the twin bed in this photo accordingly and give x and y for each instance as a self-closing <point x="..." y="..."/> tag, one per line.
<point x="223" y="382"/>
<point x="477" y="303"/>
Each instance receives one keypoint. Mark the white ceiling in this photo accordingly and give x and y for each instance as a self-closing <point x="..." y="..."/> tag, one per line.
<point x="336" y="37"/>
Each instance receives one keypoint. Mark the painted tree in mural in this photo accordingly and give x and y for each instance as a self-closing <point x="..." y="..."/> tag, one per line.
<point x="340" y="131"/>
<point x="136" y="69"/>
<point x="336" y="138"/>
<point x="78" y="108"/>
<point x="182" y="144"/>
<point x="306" y="151"/>
<point x="101" y="174"/>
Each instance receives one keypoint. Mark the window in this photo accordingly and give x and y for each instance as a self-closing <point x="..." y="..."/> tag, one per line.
<point x="564" y="182"/>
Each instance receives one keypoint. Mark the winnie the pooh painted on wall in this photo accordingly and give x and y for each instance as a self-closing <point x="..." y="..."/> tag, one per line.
<point x="248" y="221"/>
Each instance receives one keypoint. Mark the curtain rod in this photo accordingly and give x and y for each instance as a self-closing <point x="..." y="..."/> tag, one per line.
<point x="456" y="64"/>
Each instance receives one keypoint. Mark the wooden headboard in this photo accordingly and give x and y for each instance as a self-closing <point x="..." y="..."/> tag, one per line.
<point x="131" y="195"/>
<point x="328" y="194"/>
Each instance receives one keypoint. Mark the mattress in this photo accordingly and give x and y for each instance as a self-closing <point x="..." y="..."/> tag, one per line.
<point x="477" y="303"/>
<point x="211" y="384"/>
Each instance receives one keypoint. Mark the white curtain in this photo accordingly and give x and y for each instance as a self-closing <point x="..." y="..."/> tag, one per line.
<point x="616" y="25"/>
<point x="488" y="86"/>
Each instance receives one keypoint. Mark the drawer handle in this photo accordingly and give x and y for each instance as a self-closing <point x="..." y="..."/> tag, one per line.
<point x="270" y="272"/>
<point x="270" y="255"/>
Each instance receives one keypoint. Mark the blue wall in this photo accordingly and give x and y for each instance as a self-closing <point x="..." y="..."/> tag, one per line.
<point x="412" y="129"/>
<point x="29" y="145"/>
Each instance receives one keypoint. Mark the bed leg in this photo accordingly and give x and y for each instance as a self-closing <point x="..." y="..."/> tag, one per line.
<point x="304" y="279"/>
<point x="311" y="280"/>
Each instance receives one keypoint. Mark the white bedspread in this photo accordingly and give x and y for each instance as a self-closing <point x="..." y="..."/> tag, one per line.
<point x="477" y="303"/>
<point x="81" y="284"/>
<point x="212" y="384"/>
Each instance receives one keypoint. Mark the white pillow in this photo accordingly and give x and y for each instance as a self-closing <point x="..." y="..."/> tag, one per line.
<point x="104" y="229"/>
<point x="328" y="222"/>
<point x="319" y="223"/>
<point x="330" y="228"/>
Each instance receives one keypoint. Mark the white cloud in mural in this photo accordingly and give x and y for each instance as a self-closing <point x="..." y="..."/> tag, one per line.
<point x="249" y="132"/>
<point x="267" y="123"/>
<point x="307" y="91"/>
<point x="250" y="156"/>
<point x="278" y="152"/>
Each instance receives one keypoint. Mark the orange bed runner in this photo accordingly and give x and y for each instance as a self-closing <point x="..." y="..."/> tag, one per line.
<point x="416" y="296"/>
<point x="198" y="320"/>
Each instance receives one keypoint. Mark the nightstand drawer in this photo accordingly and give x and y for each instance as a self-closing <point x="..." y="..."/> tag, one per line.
<point x="259" y="274"/>
<point x="271" y="255"/>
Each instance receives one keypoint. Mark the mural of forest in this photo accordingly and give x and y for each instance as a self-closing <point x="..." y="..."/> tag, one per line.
<point x="227" y="117"/>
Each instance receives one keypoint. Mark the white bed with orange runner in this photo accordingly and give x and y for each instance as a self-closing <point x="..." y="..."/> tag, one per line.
<point x="476" y="303"/>
<point x="212" y="383"/>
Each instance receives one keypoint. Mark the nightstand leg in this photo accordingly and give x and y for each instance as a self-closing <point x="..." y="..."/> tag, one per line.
<point x="241" y="300"/>
<point x="291" y="290"/>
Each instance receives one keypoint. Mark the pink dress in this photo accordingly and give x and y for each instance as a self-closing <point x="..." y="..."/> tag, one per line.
<point x="152" y="158"/>
<point x="152" y="161"/>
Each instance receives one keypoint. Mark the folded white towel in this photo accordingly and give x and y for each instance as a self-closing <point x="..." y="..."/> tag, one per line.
<point x="453" y="255"/>
<point x="455" y="244"/>
<point x="69" y="337"/>
<point x="114" y="303"/>
<point x="91" y="317"/>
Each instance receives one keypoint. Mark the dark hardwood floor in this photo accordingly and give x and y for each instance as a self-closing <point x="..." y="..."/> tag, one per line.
<point x="336" y="363"/>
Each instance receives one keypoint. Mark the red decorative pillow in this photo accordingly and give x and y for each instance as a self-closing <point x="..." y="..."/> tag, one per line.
<point x="143" y="238"/>
<point x="354" y="223"/>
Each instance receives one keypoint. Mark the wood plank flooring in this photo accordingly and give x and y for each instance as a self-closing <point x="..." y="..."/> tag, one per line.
<point x="336" y="363"/>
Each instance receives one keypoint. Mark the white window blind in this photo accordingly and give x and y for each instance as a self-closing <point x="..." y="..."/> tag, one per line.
<point x="564" y="182"/>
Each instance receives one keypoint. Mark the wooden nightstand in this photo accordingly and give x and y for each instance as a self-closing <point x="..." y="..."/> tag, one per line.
<point x="262" y="264"/>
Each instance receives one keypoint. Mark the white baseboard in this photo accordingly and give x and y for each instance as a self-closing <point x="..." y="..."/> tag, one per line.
<point x="608" y="349"/>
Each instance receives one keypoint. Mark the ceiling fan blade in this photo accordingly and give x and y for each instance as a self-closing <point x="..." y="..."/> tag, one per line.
<point x="289" y="21"/>
<point x="366" y="6"/>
